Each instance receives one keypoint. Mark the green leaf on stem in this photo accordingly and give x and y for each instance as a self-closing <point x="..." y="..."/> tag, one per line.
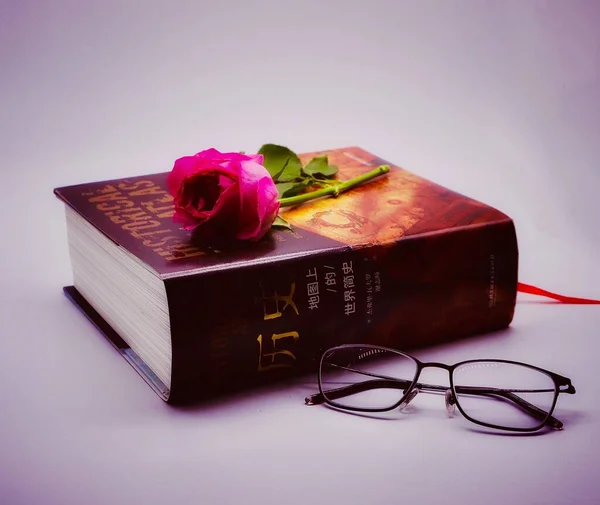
<point x="334" y="189"/>
<point x="281" y="223"/>
<point x="319" y="166"/>
<point x="281" y="162"/>
<point x="285" y="189"/>
<point x="278" y="174"/>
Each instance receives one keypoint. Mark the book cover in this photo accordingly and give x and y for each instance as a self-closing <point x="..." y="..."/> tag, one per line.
<point x="398" y="261"/>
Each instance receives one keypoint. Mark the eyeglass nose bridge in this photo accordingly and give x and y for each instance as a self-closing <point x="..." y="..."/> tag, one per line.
<point x="435" y="364"/>
<point x="449" y="399"/>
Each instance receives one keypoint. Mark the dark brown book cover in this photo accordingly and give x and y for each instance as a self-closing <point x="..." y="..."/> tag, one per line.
<point x="399" y="261"/>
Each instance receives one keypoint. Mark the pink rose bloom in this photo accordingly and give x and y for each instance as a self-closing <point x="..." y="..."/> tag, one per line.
<point x="228" y="195"/>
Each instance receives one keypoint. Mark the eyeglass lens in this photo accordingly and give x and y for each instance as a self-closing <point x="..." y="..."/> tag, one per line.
<point x="366" y="378"/>
<point x="504" y="394"/>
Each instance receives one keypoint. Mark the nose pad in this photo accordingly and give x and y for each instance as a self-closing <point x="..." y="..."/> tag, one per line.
<point x="409" y="398"/>
<point x="450" y="402"/>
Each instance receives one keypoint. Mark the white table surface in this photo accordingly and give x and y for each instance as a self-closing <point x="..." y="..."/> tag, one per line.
<point x="497" y="100"/>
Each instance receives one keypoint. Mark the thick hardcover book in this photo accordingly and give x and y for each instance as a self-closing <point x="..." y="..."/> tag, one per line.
<point x="398" y="261"/>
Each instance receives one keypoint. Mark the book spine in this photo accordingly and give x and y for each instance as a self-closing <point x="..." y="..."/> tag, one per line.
<point x="239" y="327"/>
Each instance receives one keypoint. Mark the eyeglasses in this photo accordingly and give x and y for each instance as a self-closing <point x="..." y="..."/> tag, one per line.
<point x="501" y="394"/>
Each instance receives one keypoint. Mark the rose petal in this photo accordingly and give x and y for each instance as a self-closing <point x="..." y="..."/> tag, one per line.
<point x="188" y="221"/>
<point x="258" y="199"/>
<point x="225" y="181"/>
<point x="225" y="214"/>
<point x="257" y="158"/>
<point x="268" y="206"/>
<point x="219" y="157"/>
<point x="189" y="166"/>
<point x="182" y="168"/>
<point x="201" y="190"/>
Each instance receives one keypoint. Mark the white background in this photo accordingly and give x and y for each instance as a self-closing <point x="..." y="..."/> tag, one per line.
<point x="497" y="100"/>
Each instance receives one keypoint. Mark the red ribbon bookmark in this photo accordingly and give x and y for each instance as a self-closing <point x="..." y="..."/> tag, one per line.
<point x="533" y="290"/>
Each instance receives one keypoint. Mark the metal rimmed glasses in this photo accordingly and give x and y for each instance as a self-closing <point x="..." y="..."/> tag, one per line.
<point x="500" y="394"/>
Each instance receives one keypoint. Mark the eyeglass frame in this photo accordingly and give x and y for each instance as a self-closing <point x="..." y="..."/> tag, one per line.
<point x="548" y="420"/>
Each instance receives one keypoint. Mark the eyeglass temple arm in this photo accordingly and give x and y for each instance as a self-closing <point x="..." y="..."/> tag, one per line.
<point x="359" y="387"/>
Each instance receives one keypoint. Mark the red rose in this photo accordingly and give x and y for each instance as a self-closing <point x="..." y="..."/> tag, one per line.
<point x="228" y="195"/>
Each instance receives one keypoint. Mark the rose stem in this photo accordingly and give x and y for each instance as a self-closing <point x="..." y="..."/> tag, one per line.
<point x="334" y="189"/>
